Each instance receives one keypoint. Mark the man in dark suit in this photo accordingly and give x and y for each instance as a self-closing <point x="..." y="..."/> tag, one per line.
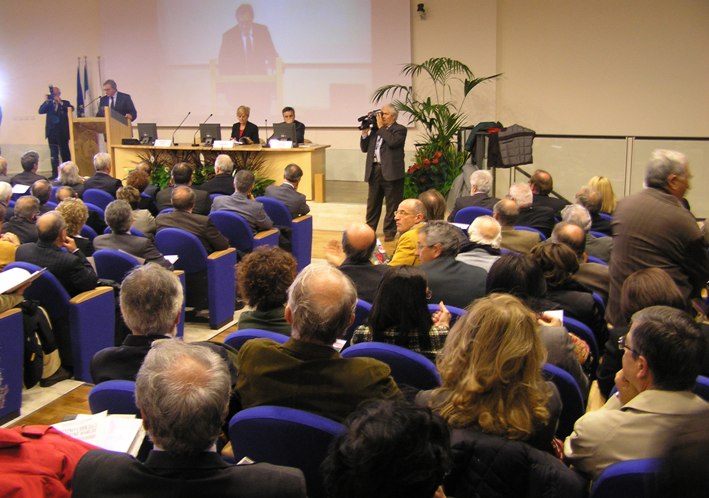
<point x="70" y="267"/>
<point x="102" y="179"/>
<point x="197" y="224"/>
<point x="118" y="101"/>
<point x="182" y="175"/>
<point x="542" y="184"/>
<point x="56" y="129"/>
<point x="480" y="186"/>
<point x="42" y="190"/>
<point x="119" y="219"/>
<point x="242" y="202"/>
<point x="384" y="171"/>
<point x="289" y="117"/>
<point x="358" y="242"/>
<point x="29" y="162"/>
<point x="451" y="281"/>
<point x="247" y="48"/>
<point x="288" y="193"/>
<point x="223" y="181"/>
<point x="24" y="218"/>
<point x="184" y="430"/>
<point x="539" y="217"/>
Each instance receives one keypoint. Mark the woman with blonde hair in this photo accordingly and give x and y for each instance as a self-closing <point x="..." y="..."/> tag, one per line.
<point x="75" y="214"/>
<point x="605" y="188"/>
<point x="244" y="130"/>
<point x="490" y="369"/>
<point x="69" y="177"/>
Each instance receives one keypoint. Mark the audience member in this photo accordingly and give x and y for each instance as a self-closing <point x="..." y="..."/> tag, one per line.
<point x="400" y="314"/>
<point x="390" y="449"/>
<point x="3" y="170"/>
<point x="590" y="198"/>
<point x="485" y="234"/>
<point x="242" y="202"/>
<point x="538" y="217"/>
<point x="142" y="219"/>
<point x="480" y="187"/>
<point x="65" y="193"/>
<point x="222" y="182"/>
<point x="5" y="196"/>
<point x="42" y="190"/>
<point x="435" y="204"/>
<point x="30" y="163"/>
<point x="288" y="193"/>
<point x="263" y="277"/>
<point x="685" y="462"/>
<point x="605" y="188"/>
<point x="506" y="212"/>
<point x="182" y="176"/>
<point x="9" y="242"/>
<point x="450" y="281"/>
<point x="663" y="353"/>
<point x="102" y="179"/>
<point x="354" y="259"/>
<point x="75" y="214"/>
<point x="69" y="177"/>
<point x="409" y="218"/>
<point x="597" y="247"/>
<point x="306" y="372"/>
<point x="118" y="218"/>
<point x="150" y="189"/>
<point x="197" y="224"/>
<point x="651" y="229"/>
<point x="542" y="184"/>
<point x="139" y="179"/>
<point x="182" y="391"/>
<point x="24" y="219"/>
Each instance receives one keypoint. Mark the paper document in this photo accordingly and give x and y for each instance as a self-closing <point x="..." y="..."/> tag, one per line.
<point x="123" y="433"/>
<point x="14" y="278"/>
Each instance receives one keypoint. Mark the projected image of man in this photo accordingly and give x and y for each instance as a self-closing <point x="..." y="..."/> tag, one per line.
<point x="247" y="48"/>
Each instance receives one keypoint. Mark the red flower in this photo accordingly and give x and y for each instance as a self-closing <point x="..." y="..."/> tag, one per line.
<point x="426" y="162"/>
<point x="435" y="160"/>
<point x="438" y="154"/>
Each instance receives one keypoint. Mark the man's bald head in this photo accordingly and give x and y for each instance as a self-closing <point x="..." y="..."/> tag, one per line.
<point x="485" y="230"/>
<point x="27" y="207"/>
<point x="50" y="226"/>
<point x="570" y="235"/>
<point x="3" y="166"/>
<point x="410" y="213"/>
<point x="358" y="241"/>
<point x="183" y="198"/>
<point x="541" y="182"/>
<point x="506" y="212"/>
<point x="65" y="193"/>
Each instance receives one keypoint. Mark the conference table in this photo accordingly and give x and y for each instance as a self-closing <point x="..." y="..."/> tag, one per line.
<point x="268" y="162"/>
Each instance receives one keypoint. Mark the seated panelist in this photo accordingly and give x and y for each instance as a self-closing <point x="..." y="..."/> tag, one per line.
<point x="244" y="131"/>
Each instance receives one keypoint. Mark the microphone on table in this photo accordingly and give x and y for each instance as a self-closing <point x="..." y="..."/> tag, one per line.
<point x="266" y="133"/>
<point x="178" y="127"/>
<point x="194" y="138"/>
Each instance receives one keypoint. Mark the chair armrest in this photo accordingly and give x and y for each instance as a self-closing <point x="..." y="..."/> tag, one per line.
<point x="222" y="253"/>
<point x="85" y="296"/>
<point x="300" y="219"/>
<point x="221" y="287"/>
<point x="92" y="317"/>
<point x="10" y="312"/>
<point x="266" y="233"/>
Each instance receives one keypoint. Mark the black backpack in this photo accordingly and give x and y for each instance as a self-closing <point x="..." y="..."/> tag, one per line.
<point x="38" y="340"/>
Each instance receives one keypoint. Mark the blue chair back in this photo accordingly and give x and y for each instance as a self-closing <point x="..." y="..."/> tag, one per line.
<point x="407" y="367"/>
<point x="191" y="252"/>
<point x="632" y="478"/>
<point x="238" y="338"/>
<point x="115" y="396"/>
<point x="362" y="311"/>
<point x="605" y="216"/>
<point x="97" y="197"/>
<point x="301" y="229"/>
<point x="584" y="332"/>
<point x="166" y="210"/>
<point x="571" y="397"/>
<point x="95" y="209"/>
<point x="214" y="196"/>
<point x="276" y="210"/>
<point x="133" y="231"/>
<point x="113" y="264"/>
<point x="468" y="214"/>
<point x="597" y="234"/>
<point x="88" y="233"/>
<point x="46" y="289"/>
<point x="600" y="302"/>
<point x="235" y="228"/>
<point x="701" y="387"/>
<point x="12" y="346"/>
<point x="455" y="311"/>
<point x="53" y="194"/>
<point x="285" y="436"/>
<point x="542" y="237"/>
<point x="51" y="204"/>
<point x="593" y="259"/>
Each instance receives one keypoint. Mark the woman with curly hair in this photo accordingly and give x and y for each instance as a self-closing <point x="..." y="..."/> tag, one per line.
<point x="263" y="277"/>
<point x="75" y="214"/>
<point x="491" y="378"/>
<point x="400" y="314"/>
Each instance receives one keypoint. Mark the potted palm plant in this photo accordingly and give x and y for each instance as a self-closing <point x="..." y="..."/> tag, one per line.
<point x="437" y="161"/>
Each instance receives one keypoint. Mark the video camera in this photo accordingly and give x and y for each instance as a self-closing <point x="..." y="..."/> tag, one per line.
<point x="369" y="120"/>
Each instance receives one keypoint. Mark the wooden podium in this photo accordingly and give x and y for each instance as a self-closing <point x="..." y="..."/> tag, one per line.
<point x="85" y="133"/>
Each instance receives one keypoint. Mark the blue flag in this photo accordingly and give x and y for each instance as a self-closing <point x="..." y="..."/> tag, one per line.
<point x="79" y="92"/>
<point x="87" y="96"/>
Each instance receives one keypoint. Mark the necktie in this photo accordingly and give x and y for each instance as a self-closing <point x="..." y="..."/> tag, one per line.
<point x="111" y="102"/>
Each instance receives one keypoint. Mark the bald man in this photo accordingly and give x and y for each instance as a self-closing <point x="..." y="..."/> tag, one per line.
<point x="506" y="213"/>
<point x="409" y="218"/>
<point x="358" y="243"/>
<point x="592" y="275"/>
<point x="542" y="185"/>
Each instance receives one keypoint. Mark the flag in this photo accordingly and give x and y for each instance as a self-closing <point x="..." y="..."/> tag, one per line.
<point x="87" y="93"/>
<point x="79" y="92"/>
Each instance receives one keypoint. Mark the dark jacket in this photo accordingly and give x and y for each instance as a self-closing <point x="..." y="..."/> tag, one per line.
<point x="103" y="181"/>
<point x="223" y="183"/>
<point x="453" y="282"/>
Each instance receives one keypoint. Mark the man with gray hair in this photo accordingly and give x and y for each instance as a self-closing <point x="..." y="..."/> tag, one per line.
<point x="5" y="196"/>
<point x="29" y="162"/>
<point x="451" y="281"/>
<point x="485" y="233"/>
<point x="24" y="219"/>
<point x="597" y="247"/>
<point x="591" y="199"/>
<point x="480" y="187"/>
<point x="306" y="372"/>
<point x="182" y="391"/>
<point x="651" y="229"/>
<point x="288" y="193"/>
<point x="242" y="202"/>
<point x="538" y="217"/>
<point x="102" y="179"/>
<point x="3" y="170"/>
<point x="222" y="182"/>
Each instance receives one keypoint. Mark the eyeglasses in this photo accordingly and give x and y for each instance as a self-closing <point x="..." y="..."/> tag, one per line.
<point x="401" y="212"/>
<point x="622" y="345"/>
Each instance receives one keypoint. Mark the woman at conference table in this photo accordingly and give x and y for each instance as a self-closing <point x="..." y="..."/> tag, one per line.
<point x="244" y="129"/>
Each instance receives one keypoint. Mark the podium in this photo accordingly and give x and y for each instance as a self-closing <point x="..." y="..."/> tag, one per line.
<point x="85" y="133"/>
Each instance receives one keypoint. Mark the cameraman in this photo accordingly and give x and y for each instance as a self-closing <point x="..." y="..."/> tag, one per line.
<point x="385" y="168"/>
<point x="57" y="127"/>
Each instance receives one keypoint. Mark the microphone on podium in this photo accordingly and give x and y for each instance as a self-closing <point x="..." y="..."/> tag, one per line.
<point x="82" y="108"/>
<point x="194" y="138"/>
<point x="178" y="127"/>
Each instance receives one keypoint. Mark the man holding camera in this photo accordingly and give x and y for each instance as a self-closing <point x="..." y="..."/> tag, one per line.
<point x="384" y="145"/>
<point x="57" y="127"/>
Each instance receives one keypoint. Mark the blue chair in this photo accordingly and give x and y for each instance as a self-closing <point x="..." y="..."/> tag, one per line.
<point x="593" y="259"/>
<point x="53" y="194"/>
<point x="455" y="311"/>
<point x="468" y="214"/>
<point x="407" y="367"/>
<point x="88" y="233"/>
<point x="362" y="311"/>
<point x="600" y="302"/>
<point x="12" y="345"/>
<point x="605" y="216"/>
<point x="214" y="196"/>
<point x="166" y="210"/>
<point x="133" y="231"/>
<point x="113" y="264"/>
<point x="114" y="396"/>
<point x="285" y="436"/>
<point x="597" y="234"/>
<point x="632" y="478"/>
<point x="51" y="204"/>
<point x="97" y="197"/>
<point x="584" y="332"/>
<point x="701" y="388"/>
<point x="95" y="209"/>
<point x="238" y="338"/>
<point x="219" y="268"/>
<point x="542" y="237"/>
<point x="301" y="229"/>
<point x="571" y="397"/>
<point x="237" y="230"/>
<point x="90" y="317"/>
